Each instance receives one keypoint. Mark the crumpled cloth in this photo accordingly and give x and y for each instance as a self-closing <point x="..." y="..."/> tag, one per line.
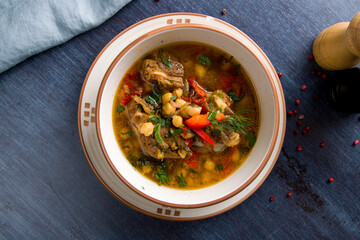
<point x="28" y="27"/>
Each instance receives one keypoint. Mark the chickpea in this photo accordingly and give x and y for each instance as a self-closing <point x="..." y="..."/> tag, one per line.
<point x="147" y="128"/>
<point x="177" y="121"/>
<point x="178" y="92"/>
<point x="166" y="98"/>
<point x="179" y="103"/>
<point x="209" y="165"/>
<point x="189" y="110"/>
<point x="168" y="109"/>
<point x="146" y="169"/>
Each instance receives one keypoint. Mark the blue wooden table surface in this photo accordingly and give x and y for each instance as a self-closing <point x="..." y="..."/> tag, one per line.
<point x="48" y="190"/>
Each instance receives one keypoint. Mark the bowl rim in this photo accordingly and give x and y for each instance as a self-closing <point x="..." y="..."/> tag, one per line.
<point x="203" y="26"/>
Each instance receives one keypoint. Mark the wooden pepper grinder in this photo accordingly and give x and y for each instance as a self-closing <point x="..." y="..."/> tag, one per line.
<point x="338" y="47"/>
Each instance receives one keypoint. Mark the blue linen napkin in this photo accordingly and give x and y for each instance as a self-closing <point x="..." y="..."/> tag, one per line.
<point x="28" y="27"/>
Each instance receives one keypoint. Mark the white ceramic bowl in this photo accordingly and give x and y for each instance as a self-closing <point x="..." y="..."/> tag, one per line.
<point x="103" y="153"/>
<point x="269" y="115"/>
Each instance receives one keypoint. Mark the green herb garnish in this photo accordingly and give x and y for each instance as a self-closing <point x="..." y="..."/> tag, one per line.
<point x="177" y="131"/>
<point x="219" y="167"/>
<point x="162" y="176"/>
<point x="164" y="60"/>
<point x="204" y="60"/>
<point x="235" y="123"/>
<point x="236" y="67"/>
<point x="212" y="117"/>
<point x="125" y="147"/>
<point x="158" y="133"/>
<point x="251" y="138"/>
<point x="173" y="97"/>
<point x="150" y="100"/>
<point x="228" y="60"/>
<point x="120" y="109"/>
<point x="182" y="182"/>
<point x="234" y="97"/>
<point x="128" y="133"/>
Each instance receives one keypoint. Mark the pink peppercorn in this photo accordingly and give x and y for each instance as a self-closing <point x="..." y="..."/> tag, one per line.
<point x="297" y="102"/>
<point x="295" y="111"/>
<point x="289" y="194"/>
<point x="299" y="148"/>
<point x="223" y="11"/>
<point x="272" y="198"/>
<point x="290" y="113"/>
<point x="322" y="144"/>
<point x="304" y="132"/>
<point x="319" y="73"/>
<point x="356" y="142"/>
<point x="331" y="179"/>
<point x="311" y="57"/>
<point x="299" y="123"/>
<point x="296" y="132"/>
<point x="307" y="128"/>
<point x="280" y="74"/>
<point x="303" y="87"/>
<point x="324" y="76"/>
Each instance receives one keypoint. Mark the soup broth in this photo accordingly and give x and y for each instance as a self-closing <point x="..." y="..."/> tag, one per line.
<point x="185" y="115"/>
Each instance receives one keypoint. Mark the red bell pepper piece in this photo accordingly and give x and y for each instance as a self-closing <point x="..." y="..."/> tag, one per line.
<point x="192" y="161"/>
<point x="189" y="142"/>
<point x="198" y="89"/>
<point x="126" y="100"/>
<point x="203" y="135"/>
<point x="199" y="121"/>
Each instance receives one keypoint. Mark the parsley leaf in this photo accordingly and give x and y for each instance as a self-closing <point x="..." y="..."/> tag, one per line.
<point x="173" y="97"/>
<point x="228" y="60"/>
<point x="177" y="131"/>
<point x="234" y="97"/>
<point x="150" y="100"/>
<point x="204" y="60"/>
<point x="158" y="133"/>
<point x="128" y="133"/>
<point x="236" y="67"/>
<point x="219" y="167"/>
<point x="251" y="138"/>
<point x="162" y="176"/>
<point x="164" y="60"/>
<point x="182" y="182"/>
<point x="120" y="109"/>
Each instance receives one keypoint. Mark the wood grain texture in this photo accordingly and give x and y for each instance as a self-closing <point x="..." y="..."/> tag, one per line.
<point x="48" y="191"/>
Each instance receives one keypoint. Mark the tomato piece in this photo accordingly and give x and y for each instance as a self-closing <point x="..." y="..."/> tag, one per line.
<point x="226" y="81"/>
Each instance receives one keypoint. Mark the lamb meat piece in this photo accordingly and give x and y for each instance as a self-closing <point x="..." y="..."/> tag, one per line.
<point x="147" y="107"/>
<point x="150" y="145"/>
<point x="176" y="70"/>
<point x="153" y="73"/>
